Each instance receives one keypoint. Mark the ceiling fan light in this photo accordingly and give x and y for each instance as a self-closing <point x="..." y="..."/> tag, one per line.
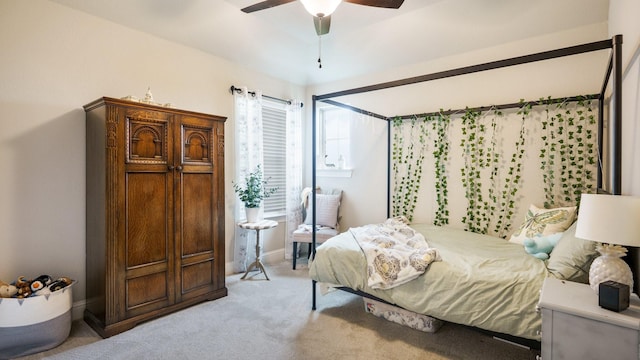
<point x="320" y="8"/>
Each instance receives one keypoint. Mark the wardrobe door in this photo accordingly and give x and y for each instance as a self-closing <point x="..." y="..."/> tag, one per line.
<point x="196" y="210"/>
<point x="146" y="260"/>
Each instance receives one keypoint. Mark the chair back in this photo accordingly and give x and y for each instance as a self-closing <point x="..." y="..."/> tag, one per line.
<point x="327" y="208"/>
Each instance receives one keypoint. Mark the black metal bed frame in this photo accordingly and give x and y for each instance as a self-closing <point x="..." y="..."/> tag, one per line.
<point x="613" y="73"/>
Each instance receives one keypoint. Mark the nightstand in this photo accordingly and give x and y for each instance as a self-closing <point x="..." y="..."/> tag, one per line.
<point x="574" y="326"/>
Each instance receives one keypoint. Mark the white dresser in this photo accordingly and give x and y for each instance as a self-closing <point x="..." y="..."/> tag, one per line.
<point x="574" y="326"/>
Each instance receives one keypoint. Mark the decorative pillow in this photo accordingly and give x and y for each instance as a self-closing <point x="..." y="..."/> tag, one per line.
<point x="326" y="210"/>
<point x="543" y="222"/>
<point x="571" y="258"/>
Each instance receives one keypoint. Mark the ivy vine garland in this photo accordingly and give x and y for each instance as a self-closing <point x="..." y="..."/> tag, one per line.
<point x="513" y="178"/>
<point x="568" y="136"/>
<point x="407" y="166"/>
<point x="472" y="144"/>
<point x="440" y="126"/>
<point x="492" y="179"/>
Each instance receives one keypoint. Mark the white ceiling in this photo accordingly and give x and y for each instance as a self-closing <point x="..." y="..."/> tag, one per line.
<point x="281" y="41"/>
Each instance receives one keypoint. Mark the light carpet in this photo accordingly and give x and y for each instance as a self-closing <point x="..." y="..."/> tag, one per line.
<point x="262" y="319"/>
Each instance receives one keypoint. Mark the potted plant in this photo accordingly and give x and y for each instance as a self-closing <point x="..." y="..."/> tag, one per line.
<point x="253" y="192"/>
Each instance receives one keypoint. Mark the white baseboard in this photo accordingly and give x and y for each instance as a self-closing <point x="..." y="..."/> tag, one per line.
<point x="77" y="310"/>
<point x="272" y="257"/>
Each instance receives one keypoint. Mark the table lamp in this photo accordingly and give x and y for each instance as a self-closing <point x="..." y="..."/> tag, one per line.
<point x="614" y="222"/>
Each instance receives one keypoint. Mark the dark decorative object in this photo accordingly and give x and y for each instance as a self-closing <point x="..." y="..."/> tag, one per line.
<point x="613" y="296"/>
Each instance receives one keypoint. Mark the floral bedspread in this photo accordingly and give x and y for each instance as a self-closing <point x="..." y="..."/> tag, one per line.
<point x="395" y="252"/>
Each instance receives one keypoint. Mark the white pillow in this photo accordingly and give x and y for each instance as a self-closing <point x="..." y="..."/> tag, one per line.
<point x="544" y="222"/>
<point x="326" y="210"/>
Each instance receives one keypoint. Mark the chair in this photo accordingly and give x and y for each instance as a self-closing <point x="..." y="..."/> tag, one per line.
<point x="327" y="218"/>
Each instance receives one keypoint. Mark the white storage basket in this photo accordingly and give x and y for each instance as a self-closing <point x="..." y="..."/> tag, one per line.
<point x="34" y="324"/>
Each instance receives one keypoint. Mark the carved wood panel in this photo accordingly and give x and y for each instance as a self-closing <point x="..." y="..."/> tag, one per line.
<point x="147" y="140"/>
<point x="197" y="145"/>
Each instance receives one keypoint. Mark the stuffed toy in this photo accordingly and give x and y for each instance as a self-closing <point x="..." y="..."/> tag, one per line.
<point x="60" y="283"/>
<point x="7" y="290"/>
<point x="40" y="283"/>
<point x="541" y="246"/>
<point x="24" y="287"/>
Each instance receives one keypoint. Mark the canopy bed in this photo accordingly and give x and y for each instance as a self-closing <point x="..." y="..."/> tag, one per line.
<point x="477" y="280"/>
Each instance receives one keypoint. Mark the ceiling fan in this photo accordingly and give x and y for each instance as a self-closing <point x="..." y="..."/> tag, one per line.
<point x="322" y="9"/>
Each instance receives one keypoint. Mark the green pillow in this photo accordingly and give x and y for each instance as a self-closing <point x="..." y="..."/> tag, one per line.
<point x="571" y="258"/>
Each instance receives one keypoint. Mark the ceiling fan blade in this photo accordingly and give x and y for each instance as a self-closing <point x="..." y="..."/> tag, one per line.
<point x="322" y="26"/>
<point x="389" y="4"/>
<point x="263" y="5"/>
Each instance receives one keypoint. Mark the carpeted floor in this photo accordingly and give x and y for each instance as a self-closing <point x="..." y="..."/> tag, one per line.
<point x="262" y="319"/>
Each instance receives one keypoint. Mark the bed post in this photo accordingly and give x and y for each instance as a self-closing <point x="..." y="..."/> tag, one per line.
<point x="313" y="294"/>
<point x="313" y="193"/>
<point x="633" y="258"/>
<point x="388" y="168"/>
<point x="616" y="128"/>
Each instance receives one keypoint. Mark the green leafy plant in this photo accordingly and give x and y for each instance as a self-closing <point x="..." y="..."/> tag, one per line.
<point x="493" y="164"/>
<point x="254" y="189"/>
<point x="472" y="144"/>
<point x="408" y="158"/>
<point x="568" y="154"/>
<point x="513" y="178"/>
<point x="441" y="158"/>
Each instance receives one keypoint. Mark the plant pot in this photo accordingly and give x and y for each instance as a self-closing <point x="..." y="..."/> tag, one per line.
<point x="252" y="214"/>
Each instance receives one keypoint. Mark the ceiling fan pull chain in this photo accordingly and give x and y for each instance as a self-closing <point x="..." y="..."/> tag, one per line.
<point x="319" y="52"/>
<point x="320" y="46"/>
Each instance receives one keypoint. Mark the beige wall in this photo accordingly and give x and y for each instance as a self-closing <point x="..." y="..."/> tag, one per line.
<point x="53" y="61"/>
<point x="623" y="19"/>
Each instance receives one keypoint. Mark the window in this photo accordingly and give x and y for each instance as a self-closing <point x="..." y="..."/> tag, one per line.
<point x="334" y="131"/>
<point x="274" y="144"/>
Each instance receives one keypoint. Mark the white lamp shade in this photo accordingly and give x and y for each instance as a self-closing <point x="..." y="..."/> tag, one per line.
<point x="320" y="7"/>
<point x="613" y="219"/>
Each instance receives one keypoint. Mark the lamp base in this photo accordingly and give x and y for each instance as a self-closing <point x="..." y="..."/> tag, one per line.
<point x="610" y="267"/>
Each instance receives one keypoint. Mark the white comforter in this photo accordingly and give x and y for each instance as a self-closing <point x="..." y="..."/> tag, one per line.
<point x="395" y="253"/>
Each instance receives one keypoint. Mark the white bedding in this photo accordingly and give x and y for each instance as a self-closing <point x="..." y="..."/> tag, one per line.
<point x="482" y="281"/>
<point x="395" y="253"/>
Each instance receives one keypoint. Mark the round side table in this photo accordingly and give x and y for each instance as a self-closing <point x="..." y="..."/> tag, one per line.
<point x="257" y="226"/>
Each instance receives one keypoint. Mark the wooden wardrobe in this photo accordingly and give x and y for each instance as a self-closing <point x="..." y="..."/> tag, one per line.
<point x="155" y="212"/>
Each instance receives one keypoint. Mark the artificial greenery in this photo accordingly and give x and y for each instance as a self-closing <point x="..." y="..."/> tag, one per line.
<point x="254" y="189"/>
<point x="441" y="158"/>
<point x="492" y="161"/>
<point x="472" y="144"/>
<point x="407" y="166"/>
<point x="493" y="201"/>
<point x="493" y="164"/>
<point x="513" y="178"/>
<point x="568" y="151"/>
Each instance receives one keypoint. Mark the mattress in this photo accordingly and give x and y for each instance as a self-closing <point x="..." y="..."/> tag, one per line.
<point x="481" y="281"/>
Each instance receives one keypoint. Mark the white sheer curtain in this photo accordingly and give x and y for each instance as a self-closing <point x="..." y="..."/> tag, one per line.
<point x="294" y="173"/>
<point x="249" y="154"/>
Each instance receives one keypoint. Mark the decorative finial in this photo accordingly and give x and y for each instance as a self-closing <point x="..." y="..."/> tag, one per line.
<point x="148" y="97"/>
